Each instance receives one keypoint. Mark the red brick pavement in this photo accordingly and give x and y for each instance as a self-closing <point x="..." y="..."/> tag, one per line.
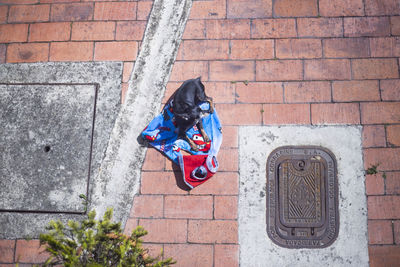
<point x="265" y="63"/>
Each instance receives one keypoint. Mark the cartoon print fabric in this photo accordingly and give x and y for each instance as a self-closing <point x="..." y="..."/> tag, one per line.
<point x="198" y="167"/>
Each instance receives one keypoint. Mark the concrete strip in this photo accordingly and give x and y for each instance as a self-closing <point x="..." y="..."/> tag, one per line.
<point x="256" y="249"/>
<point x="119" y="177"/>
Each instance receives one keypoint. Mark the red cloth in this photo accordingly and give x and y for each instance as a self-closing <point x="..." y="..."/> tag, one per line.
<point x="196" y="169"/>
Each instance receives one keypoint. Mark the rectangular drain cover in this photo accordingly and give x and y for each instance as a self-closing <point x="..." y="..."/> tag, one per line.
<point x="45" y="146"/>
<point x="302" y="197"/>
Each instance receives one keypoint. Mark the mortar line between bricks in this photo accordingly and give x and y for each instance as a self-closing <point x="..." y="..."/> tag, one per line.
<point x="6" y="51"/>
<point x="28" y="33"/>
<point x="254" y="71"/>
<point x="137" y="10"/>
<point x="383" y="147"/>
<point x="251" y="29"/>
<point x="184" y="219"/>
<point x="359" y="112"/>
<point x="351" y="69"/>
<point x="48" y="51"/>
<point x="182" y="45"/>
<point x="226" y="9"/>
<point x="163" y="203"/>
<point x="115" y="31"/>
<point x="230" y="49"/>
<point x="380" y="90"/>
<point x="213" y="257"/>
<point x="187" y="230"/>
<point x="8" y="13"/>
<point x="383" y="195"/>
<point x="272" y="59"/>
<point x="343" y="29"/>
<point x="213" y="207"/>
<point x="386" y="135"/>
<point x="262" y="114"/>
<point x="208" y="70"/>
<point x="289" y="17"/>
<point x="365" y="13"/>
<point x="385" y="219"/>
<point x="384" y="186"/>
<point x="93" y="50"/>
<point x="398" y="66"/>
<point x="15" y="250"/>
<point x="393" y="233"/>
<point x="50" y="10"/>
<point x="189" y="243"/>
<point x="70" y="32"/>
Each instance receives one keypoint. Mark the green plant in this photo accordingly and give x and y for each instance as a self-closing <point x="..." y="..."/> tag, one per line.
<point x="373" y="169"/>
<point x="96" y="243"/>
<point x="85" y="202"/>
<point x="246" y="82"/>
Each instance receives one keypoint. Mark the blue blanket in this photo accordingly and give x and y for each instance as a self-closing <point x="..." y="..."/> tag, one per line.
<point x="198" y="167"/>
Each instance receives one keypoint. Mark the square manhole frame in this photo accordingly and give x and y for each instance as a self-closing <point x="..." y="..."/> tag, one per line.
<point x="255" y="144"/>
<point x="107" y="76"/>
<point x="89" y="159"/>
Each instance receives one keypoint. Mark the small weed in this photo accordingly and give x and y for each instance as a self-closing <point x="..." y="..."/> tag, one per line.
<point x="246" y="82"/>
<point x="262" y="111"/>
<point x="384" y="175"/>
<point x="85" y="201"/>
<point x="373" y="169"/>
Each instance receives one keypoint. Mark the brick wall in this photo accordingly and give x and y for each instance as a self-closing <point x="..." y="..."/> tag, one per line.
<point x="264" y="62"/>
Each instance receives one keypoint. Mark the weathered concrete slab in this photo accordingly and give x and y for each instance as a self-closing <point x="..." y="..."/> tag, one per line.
<point x="56" y="93"/>
<point x="256" y="249"/>
<point x="45" y="146"/>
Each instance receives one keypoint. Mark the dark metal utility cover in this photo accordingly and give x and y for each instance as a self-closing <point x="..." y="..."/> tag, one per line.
<point x="45" y="146"/>
<point x="302" y="197"/>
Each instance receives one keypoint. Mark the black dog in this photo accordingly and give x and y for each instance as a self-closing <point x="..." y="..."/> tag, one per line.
<point x="186" y="109"/>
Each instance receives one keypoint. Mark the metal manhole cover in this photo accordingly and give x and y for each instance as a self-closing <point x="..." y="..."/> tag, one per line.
<point x="302" y="197"/>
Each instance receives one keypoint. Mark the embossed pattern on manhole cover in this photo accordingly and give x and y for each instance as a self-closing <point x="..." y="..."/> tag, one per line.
<point x="302" y="197"/>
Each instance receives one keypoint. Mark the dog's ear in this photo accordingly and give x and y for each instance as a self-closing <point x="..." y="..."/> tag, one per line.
<point x="198" y="78"/>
